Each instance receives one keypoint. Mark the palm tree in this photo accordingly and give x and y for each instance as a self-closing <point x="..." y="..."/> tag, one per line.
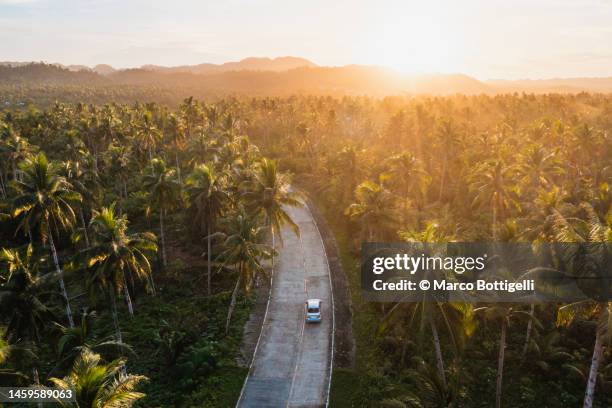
<point x="493" y="187"/>
<point x="44" y="201"/>
<point x="502" y="313"/>
<point x="207" y="192"/>
<point x="244" y="250"/>
<point x="147" y="134"/>
<point x="21" y="297"/>
<point x="74" y="339"/>
<point x="177" y="132"/>
<point x="373" y="208"/>
<point x="99" y="385"/>
<point x="164" y="191"/>
<point x="83" y="182"/>
<point x="116" y="255"/>
<point x="118" y="159"/>
<point x="448" y="139"/>
<point x="409" y="178"/>
<point x="14" y="149"/>
<point x="270" y="194"/>
<point x="592" y="237"/>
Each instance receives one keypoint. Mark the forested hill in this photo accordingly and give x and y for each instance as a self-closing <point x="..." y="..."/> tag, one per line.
<point x="43" y="84"/>
<point x="347" y="80"/>
<point x="46" y="74"/>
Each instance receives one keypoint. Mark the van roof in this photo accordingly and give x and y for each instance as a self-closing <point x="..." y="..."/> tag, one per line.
<point x="313" y="302"/>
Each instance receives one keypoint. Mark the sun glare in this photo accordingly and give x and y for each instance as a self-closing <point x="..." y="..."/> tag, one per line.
<point x="415" y="43"/>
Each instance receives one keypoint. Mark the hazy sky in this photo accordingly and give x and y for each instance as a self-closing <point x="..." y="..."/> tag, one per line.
<point x="483" y="38"/>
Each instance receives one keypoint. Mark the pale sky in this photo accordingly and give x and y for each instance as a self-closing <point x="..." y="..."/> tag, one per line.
<point x="483" y="38"/>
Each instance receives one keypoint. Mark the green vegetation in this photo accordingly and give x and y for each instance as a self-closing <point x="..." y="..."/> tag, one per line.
<point x="515" y="168"/>
<point x="122" y="276"/>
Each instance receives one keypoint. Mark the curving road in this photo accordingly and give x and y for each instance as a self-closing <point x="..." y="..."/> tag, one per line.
<point x="292" y="362"/>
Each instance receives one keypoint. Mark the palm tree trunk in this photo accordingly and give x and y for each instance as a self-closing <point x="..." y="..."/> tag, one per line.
<point x="163" y="238"/>
<point x="61" y="280"/>
<point x="36" y="379"/>
<point x="442" y="178"/>
<point x="500" y="364"/>
<point x="529" y="328"/>
<point x="2" y="185"/>
<point x="233" y="302"/>
<point x="82" y="217"/>
<point x="118" y="335"/>
<point x="208" y="259"/>
<point x="178" y="167"/>
<point x="128" y="299"/>
<point x="439" y="358"/>
<point x="597" y="353"/>
<point x="494" y="226"/>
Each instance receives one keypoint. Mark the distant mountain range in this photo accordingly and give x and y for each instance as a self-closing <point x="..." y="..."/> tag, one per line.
<point x="285" y="75"/>
<point x="248" y="64"/>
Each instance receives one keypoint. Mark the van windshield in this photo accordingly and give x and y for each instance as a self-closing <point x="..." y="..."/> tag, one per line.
<point x="313" y="310"/>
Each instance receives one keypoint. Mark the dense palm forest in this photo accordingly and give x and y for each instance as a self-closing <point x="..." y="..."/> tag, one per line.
<point x="514" y="168"/>
<point x="134" y="234"/>
<point x="131" y="240"/>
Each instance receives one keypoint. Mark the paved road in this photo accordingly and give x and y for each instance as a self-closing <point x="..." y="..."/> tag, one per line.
<point x="291" y="365"/>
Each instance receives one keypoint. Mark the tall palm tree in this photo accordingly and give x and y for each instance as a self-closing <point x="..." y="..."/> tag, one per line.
<point x="493" y="186"/>
<point x="116" y="255"/>
<point x="409" y="178"/>
<point x="22" y="298"/>
<point x="593" y="237"/>
<point x="99" y="385"/>
<point x="86" y="184"/>
<point x="244" y="250"/>
<point x="164" y="191"/>
<point x="177" y="132"/>
<point x="373" y="209"/>
<point x="14" y="149"/>
<point x="147" y="134"/>
<point x="270" y="194"/>
<point x="74" y="339"/>
<point x="45" y="201"/>
<point x="503" y="313"/>
<point x="448" y="139"/>
<point x="208" y="194"/>
<point x="21" y="295"/>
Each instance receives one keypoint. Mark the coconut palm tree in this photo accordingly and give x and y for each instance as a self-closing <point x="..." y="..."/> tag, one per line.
<point x="14" y="149"/>
<point x="244" y="251"/>
<point x="270" y="194"/>
<point x="21" y="295"/>
<point x="45" y="201"/>
<point x="22" y="299"/>
<point x="591" y="251"/>
<point x="164" y="191"/>
<point x="502" y="313"/>
<point x="208" y="195"/>
<point x="493" y="187"/>
<point x="147" y="134"/>
<point x="177" y="132"/>
<point x="84" y="183"/>
<point x="373" y="209"/>
<point x="114" y="256"/>
<point x="99" y="385"/>
<point x="408" y="178"/>
<point x="74" y="339"/>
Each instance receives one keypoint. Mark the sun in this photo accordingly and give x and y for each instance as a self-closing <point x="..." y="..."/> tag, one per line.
<point x="414" y="44"/>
